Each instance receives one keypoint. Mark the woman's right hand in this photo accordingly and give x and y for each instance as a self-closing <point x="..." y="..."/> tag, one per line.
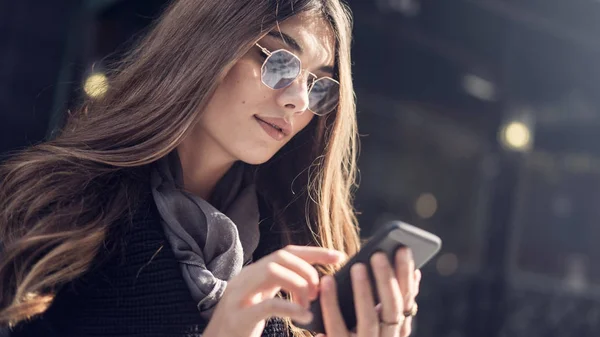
<point x="250" y="297"/>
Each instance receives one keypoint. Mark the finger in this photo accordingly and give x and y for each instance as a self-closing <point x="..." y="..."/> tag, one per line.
<point x="389" y="294"/>
<point x="270" y="277"/>
<point x="405" y="268"/>
<point x="332" y="317"/>
<point x="312" y="254"/>
<point x="417" y="282"/>
<point x="300" y="258"/>
<point x="277" y="307"/>
<point x="300" y="267"/>
<point x="406" y="329"/>
<point x="364" y="305"/>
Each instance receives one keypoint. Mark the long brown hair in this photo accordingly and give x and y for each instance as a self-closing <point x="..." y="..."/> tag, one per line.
<point x="58" y="199"/>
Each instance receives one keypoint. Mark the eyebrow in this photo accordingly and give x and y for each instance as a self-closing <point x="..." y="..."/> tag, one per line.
<point x="295" y="46"/>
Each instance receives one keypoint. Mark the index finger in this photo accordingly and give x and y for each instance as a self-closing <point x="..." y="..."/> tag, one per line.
<point x="313" y="254"/>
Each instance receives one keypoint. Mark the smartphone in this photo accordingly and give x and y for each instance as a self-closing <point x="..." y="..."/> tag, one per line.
<point x="387" y="239"/>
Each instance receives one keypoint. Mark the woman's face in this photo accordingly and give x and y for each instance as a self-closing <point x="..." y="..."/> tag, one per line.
<point x="233" y="120"/>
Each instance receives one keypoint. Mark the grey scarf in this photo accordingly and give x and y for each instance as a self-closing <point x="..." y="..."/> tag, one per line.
<point x="211" y="246"/>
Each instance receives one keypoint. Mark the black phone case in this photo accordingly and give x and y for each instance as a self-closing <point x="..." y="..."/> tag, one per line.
<point x="379" y="242"/>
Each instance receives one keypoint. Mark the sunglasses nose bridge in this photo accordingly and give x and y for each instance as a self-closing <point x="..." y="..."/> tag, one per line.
<point x="304" y="79"/>
<point x="309" y="77"/>
<point x="295" y="97"/>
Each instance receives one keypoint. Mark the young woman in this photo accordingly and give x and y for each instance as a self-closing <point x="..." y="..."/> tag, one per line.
<point x="206" y="193"/>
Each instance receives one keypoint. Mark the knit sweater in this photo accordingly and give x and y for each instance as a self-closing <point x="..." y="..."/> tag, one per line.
<point x="136" y="291"/>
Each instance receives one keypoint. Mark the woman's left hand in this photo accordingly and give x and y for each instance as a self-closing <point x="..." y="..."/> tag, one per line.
<point x="396" y="290"/>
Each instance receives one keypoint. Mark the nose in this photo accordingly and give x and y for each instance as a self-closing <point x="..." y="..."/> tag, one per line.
<point x="294" y="98"/>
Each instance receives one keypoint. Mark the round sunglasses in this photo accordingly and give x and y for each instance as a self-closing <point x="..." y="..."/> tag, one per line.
<point x="281" y="68"/>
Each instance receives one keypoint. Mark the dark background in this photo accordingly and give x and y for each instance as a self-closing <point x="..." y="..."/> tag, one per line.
<point x="437" y="82"/>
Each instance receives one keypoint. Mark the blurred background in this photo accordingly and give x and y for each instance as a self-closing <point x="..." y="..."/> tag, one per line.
<point x="479" y="122"/>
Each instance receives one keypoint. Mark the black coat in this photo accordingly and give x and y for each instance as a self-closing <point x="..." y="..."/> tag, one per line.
<point x="135" y="290"/>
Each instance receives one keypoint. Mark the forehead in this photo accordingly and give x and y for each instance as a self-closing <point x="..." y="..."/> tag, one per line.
<point x="314" y="34"/>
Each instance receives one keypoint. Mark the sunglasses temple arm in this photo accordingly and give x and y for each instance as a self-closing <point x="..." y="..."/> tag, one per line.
<point x="264" y="50"/>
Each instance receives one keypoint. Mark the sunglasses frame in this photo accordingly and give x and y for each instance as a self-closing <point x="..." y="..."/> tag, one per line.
<point x="311" y="85"/>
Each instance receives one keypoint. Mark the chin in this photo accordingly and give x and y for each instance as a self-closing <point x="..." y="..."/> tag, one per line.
<point x="255" y="158"/>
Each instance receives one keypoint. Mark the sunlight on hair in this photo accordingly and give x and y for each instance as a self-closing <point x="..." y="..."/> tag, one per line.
<point x="39" y="304"/>
<point x="43" y="299"/>
<point x="96" y="85"/>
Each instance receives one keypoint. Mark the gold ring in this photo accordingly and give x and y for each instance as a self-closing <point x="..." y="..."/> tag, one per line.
<point x="412" y="312"/>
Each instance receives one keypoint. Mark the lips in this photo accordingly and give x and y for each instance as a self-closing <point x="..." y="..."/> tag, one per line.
<point x="278" y="124"/>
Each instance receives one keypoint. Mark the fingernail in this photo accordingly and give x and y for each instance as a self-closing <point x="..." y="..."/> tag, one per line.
<point x="340" y="256"/>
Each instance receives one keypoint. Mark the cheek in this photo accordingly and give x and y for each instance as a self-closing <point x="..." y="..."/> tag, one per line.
<point x="238" y="92"/>
<point x="303" y="120"/>
<point x="243" y="78"/>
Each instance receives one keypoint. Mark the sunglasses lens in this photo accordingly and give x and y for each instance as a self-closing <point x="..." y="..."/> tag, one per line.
<point x="280" y="69"/>
<point x="324" y="96"/>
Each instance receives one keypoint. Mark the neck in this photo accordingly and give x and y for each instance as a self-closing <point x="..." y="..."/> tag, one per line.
<point x="204" y="163"/>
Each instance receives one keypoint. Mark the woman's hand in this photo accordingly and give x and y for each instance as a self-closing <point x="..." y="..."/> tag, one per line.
<point x="396" y="290"/>
<point x="250" y="296"/>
